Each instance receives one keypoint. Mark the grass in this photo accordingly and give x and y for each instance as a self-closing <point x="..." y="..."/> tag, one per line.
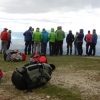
<point x="77" y="62"/>
<point x="61" y="93"/>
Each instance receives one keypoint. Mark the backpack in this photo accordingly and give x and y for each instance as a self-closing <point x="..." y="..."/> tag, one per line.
<point x="32" y="75"/>
<point x="14" y="55"/>
<point x="1" y="74"/>
<point x="38" y="57"/>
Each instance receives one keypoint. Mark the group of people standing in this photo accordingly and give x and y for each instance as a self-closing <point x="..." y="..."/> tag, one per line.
<point x="5" y="37"/>
<point x="36" y="41"/>
<point x="90" y="39"/>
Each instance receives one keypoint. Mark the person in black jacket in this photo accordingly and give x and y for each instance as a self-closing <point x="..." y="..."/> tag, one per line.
<point x="9" y="40"/>
<point x="69" y="41"/>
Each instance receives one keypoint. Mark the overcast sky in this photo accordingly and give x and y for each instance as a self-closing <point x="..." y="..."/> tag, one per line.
<point x="18" y="15"/>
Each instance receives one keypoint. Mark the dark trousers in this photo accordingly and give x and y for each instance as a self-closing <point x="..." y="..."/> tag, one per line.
<point x="88" y="45"/>
<point x="43" y="47"/>
<point x="8" y="46"/>
<point x="59" y="47"/>
<point x="69" y="46"/>
<point x="32" y="44"/>
<point x="93" y="49"/>
<point x="28" y="47"/>
<point x="55" y="48"/>
<point x="80" y="49"/>
<point x="51" y="47"/>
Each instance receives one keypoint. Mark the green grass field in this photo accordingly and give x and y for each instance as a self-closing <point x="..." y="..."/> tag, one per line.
<point x="65" y="65"/>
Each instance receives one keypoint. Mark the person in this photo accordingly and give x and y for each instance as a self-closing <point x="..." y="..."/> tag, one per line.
<point x="52" y="38"/>
<point x="93" y="43"/>
<point x="37" y="37"/>
<point x="60" y="35"/>
<point x="9" y="41"/>
<point x="32" y="40"/>
<point x="4" y="40"/>
<point x="80" y="42"/>
<point x="28" y="40"/>
<point x="69" y="41"/>
<point x="44" y="41"/>
<point x="87" y="39"/>
<point x="75" y="44"/>
<point x="55" y="50"/>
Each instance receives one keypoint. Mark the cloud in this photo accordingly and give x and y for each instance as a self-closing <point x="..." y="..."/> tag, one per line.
<point x="18" y="15"/>
<point x="43" y="6"/>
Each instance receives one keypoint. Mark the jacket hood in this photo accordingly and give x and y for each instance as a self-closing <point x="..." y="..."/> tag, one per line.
<point x="44" y="31"/>
<point x="37" y="30"/>
<point x="52" y="29"/>
<point x="81" y="30"/>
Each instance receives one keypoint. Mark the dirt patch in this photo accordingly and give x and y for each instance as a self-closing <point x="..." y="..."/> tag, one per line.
<point x="88" y="82"/>
<point x="92" y="57"/>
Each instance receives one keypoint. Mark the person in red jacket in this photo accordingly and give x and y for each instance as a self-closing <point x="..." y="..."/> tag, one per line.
<point x="4" y="40"/>
<point x="88" y="42"/>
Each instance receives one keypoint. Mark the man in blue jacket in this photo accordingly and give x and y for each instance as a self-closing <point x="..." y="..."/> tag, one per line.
<point x="28" y="40"/>
<point x="44" y="41"/>
<point x="93" y="43"/>
<point x="80" y="42"/>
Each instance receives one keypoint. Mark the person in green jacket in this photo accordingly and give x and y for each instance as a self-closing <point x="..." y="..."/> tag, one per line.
<point x="37" y="38"/>
<point x="32" y="40"/>
<point x="52" y="38"/>
<point x="60" y="35"/>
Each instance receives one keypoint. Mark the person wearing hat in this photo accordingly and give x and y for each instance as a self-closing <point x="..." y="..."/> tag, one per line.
<point x="4" y="40"/>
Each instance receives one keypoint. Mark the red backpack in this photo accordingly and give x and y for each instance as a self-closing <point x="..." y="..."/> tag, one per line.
<point x="1" y="74"/>
<point x="23" y="56"/>
<point x="39" y="57"/>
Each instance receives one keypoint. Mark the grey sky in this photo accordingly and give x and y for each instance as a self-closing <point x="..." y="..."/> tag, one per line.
<point x="42" y="6"/>
<point x="18" y="15"/>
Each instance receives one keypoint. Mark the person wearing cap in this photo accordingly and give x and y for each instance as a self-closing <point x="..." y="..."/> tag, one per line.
<point x="4" y="40"/>
<point x="93" y="43"/>
<point x="9" y="41"/>
<point x="28" y="40"/>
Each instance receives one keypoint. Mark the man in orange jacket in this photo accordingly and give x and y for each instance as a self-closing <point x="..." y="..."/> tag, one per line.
<point x="4" y="40"/>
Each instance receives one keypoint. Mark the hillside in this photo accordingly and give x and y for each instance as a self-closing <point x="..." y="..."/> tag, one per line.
<point x="75" y="78"/>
